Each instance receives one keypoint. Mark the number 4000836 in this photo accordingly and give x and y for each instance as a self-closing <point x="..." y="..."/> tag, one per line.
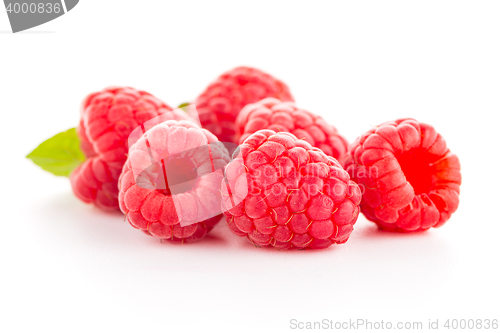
<point x="33" y="8"/>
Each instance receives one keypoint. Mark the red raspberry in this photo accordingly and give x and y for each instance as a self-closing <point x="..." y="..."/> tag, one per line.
<point x="410" y="178"/>
<point x="107" y="119"/>
<point x="281" y="191"/>
<point x="169" y="187"/>
<point x="220" y="103"/>
<point x="273" y="114"/>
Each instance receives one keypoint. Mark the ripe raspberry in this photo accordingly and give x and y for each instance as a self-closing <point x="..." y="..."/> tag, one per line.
<point x="281" y="191"/>
<point x="410" y="178"/>
<point x="169" y="187"/>
<point x="220" y="103"/>
<point x="107" y="119"/>
<point x="273" y="114"/>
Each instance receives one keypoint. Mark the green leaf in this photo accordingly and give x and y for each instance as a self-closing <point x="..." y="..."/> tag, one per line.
<point x="183" y="105"/>
<point x="60" y="154"/>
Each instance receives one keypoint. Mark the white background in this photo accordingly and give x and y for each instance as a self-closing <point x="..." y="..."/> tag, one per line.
<point x="67" y="267"/>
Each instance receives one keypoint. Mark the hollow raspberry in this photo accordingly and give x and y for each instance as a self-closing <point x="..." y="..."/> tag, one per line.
<point x="107" y="119"/>
<point x="169" y="187"/>
<point x="281" y="191"/>
<point x="220" y="103"/>
<point x="273" y="114"/>
<point x="411" y="180"/>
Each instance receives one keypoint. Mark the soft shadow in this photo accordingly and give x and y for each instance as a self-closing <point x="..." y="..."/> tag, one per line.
<point x="208" y="240"/>
<point x="98" y="227"/>
<point x="371" y="230"/>
<point x="247" y="245"/>
<point x="402" y="254"/>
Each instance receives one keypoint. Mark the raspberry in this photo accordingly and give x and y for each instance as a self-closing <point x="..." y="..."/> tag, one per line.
<point x="220" y="103"/>
<point x="107" y="119"/>
<point x="169" y="187"/>
<point x="273" y="114"/>
<point x="410" y="178"/>
<point x="281" y="191"/>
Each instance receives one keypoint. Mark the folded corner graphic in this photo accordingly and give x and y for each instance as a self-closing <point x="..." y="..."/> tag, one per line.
<point x="26" y="14"/>
<point x="190" y="173"/>
<point x="70" y="4"/>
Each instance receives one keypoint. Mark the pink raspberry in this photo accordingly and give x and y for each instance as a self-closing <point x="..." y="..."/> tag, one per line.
<point x="281" y="191"/>
<point x="107" y="119"/>
<point x="410" y="178"/>
<point x="273" y="114"/>
<point x="220" y="103"/>
<point x="169" y="187"/>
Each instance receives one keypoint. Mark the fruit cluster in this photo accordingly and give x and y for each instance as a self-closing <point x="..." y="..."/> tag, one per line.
<point x="281" y="175"/>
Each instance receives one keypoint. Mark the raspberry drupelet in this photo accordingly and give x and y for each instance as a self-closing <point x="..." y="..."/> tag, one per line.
<point x="273" y="114"/>
<point x="107" y="119"/>
<point x="220" y="103"/>
<point x="282" y="192"/>
<point x="409" y="178"/>
<point x="169" y="187"/>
